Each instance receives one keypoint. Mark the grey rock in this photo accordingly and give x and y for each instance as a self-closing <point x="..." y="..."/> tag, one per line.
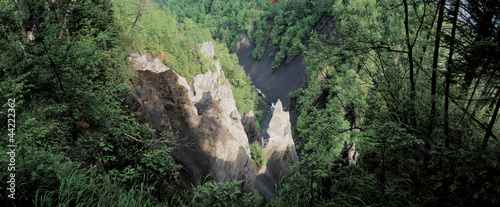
<point x="213" y="138"/>
<point x="280" y="149"/>
<point x="250" y="126"/>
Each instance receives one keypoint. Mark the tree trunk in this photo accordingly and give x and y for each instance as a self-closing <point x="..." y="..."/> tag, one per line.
<point x="65" y="21"/>
<point x="21" y="22"/>
<point x="492" y="103"/>
<point x="410" y="60"/>
<point x="449" y="67"/>
<point x="434" y="67"/>
<point x="424" y="48"/>
<point x="488" y="91"/>
<point x="56" y="72"/>
<point x="492" y="123"/>
<point x="138" y="15"/>
<point x="470" y="101"/>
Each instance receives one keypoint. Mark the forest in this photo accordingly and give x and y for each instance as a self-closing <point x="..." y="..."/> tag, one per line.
<point x="415" y="84"/>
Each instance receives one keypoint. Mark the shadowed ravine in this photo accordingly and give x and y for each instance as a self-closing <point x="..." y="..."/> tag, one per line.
<point x="269" y="105"/>
<point x="271" y="86"/>
<point x="276" y="84"/>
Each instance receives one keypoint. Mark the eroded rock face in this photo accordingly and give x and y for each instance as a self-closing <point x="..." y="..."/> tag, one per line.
<point x="250" y="127"/>
<point x="221" y="134"/>
<point x="161" y="98"/>
<point x="205" y="114"/>
<point x="213" y="138"/>
<point x="280" y="149"/>
<point x="208" y="49"/>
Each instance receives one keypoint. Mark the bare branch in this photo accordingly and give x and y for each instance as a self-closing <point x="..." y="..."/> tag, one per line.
<point x="138" y="140"/>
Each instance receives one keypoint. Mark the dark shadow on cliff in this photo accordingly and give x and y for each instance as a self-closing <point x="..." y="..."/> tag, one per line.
<point x="160" y="101"/>
<point x="267" y="182"/>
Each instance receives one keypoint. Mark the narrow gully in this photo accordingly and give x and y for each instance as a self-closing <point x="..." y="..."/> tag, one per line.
<point x="265" y="123"/>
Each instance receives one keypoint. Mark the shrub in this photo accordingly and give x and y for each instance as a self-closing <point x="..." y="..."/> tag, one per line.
<point x="214" y="193"/>
<point x="258" y="155"/>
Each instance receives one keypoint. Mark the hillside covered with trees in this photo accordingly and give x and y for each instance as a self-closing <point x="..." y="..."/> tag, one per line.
<point x="414" y="84"/>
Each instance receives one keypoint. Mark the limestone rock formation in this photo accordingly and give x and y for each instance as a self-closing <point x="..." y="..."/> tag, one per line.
<point x="218" y="124"/>
<point x="280" y="149"/>
<point x="205" y="114"/>
<point x="250" y="126"/>
<point x="208" y="49"/>
<point x="212" y="138"/>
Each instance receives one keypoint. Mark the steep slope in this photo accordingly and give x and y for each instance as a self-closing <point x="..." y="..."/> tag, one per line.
<point x="211" y="137"/>
<point x="276" y="84"/>
<point x="280" y="151"/>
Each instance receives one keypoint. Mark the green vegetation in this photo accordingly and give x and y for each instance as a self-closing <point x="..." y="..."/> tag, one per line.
<point x="286" y="22"/>
<point x="65" y="66"/>
<point x="292" y="22"/>
<point x="158" y="32"/>
<point x="70" y="94"/>
<point x="402" y="73"/>
<point x="258" y="154"/>
<point x="224" y="194"/>
<point x="175" y="40"/>
<point x="225" y="19"/>
<point x="418" y="79"/>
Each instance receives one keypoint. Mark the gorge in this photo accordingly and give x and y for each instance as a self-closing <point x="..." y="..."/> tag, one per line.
<point x="211" y="103"/>
<point x="204" y="112"/>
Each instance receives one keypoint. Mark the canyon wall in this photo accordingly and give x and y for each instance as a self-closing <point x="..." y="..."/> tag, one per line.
<point x="212" y="138"/>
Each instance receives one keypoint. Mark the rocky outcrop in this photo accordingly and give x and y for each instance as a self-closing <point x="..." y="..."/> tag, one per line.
<point x="208" y="49"/>
<point x="250" y="127"/>
<point x="218" y="124"/>
<point x="211" y="137"/>
<point x="280" y="152"/>
<point x="280" y="149"/>
<point x="205" y="115"/>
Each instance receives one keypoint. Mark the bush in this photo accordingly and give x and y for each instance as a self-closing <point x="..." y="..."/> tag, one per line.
<point x="258" y="155"/>
<point x="216" y="193"/>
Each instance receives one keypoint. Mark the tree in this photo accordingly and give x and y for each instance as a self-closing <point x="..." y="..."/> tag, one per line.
<point x="449" y="73"/>
<point x="437" y="40"/>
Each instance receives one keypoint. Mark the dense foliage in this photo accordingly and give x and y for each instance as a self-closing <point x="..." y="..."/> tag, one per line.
<point x="408" y="75"/>
<point x="66" y="76"/>
<point x="283" y="23"/>
<point x="292" y="21"/>
<point x="258" y="154"/>
<point x="225" y="19"/>
<point x="415" y="84"/>
<point x="65" y="64"/>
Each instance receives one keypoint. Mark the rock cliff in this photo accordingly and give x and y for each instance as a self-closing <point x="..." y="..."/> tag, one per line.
<point x="280" y="152"/>
<point x="212" y="137"/>
<point x="280" y="149"/>
<point x="251" y="129"/>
